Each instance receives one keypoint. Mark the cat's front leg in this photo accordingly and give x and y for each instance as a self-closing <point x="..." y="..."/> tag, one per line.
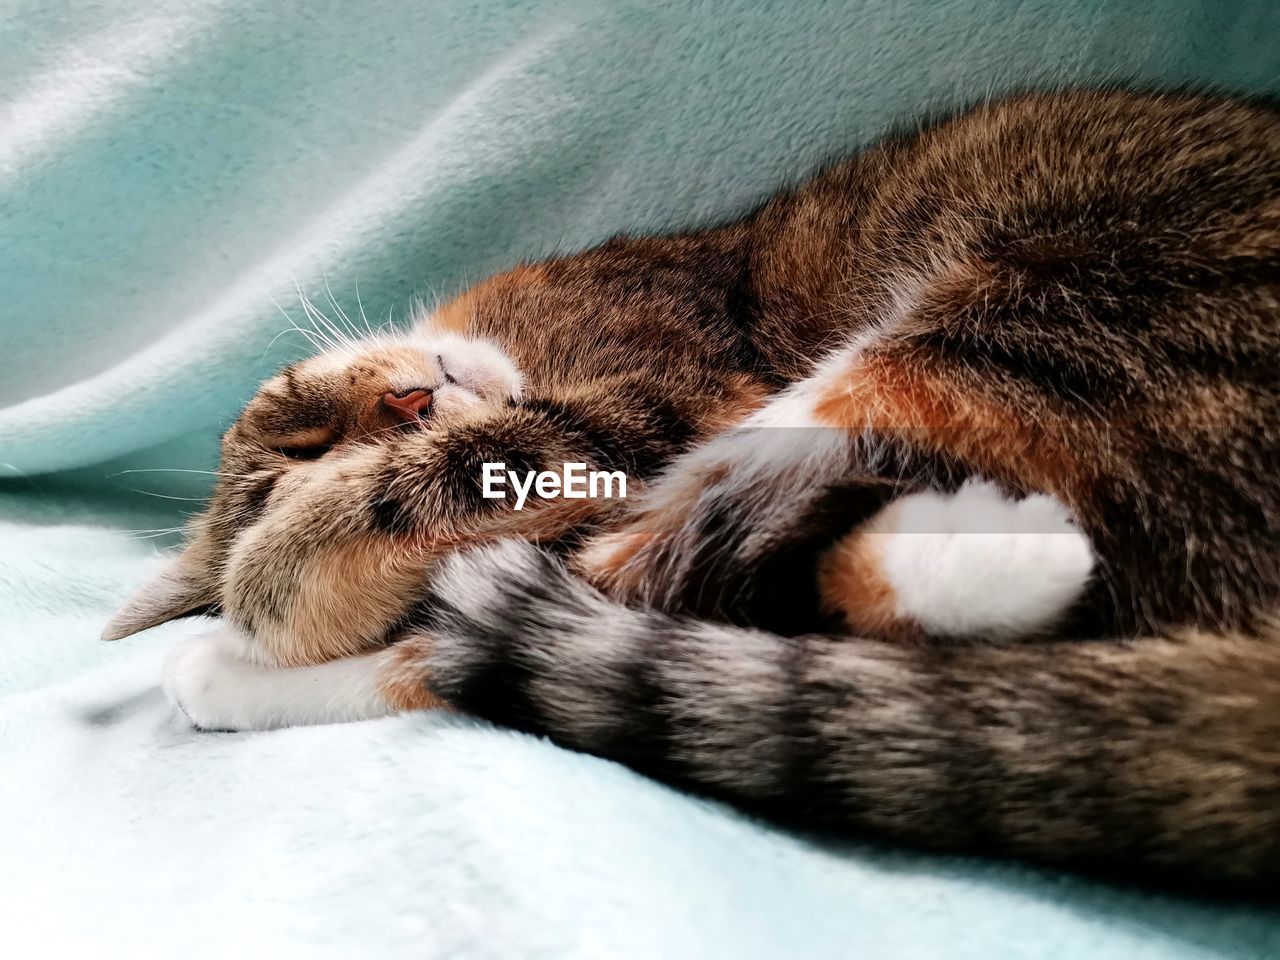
<point x="214" y="683"/>
<point x="316" y="577"/>
<point x="346" y="547"/>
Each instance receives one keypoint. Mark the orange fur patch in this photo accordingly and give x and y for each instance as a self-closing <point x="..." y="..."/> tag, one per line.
<point x="458" y="314"/>
<point x="402" y="677"/>
<point x="745" y="395"/>
<point x="912" y="400"/>
<point x="348" y="596"/>
<point x="609" y="562"/>
<point x="852" y="582"/>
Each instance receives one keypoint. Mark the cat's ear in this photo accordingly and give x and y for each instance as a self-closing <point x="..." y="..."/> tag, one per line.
<point x="182" y="589"/>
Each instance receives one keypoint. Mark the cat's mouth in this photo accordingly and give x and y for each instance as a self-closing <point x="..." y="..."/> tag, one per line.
<point x="410" y="406"/>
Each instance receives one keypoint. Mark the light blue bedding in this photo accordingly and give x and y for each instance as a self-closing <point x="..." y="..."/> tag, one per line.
<point x="170" y="174"/>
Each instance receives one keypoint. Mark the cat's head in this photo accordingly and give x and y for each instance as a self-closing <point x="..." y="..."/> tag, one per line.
<point x="358" y="393"/>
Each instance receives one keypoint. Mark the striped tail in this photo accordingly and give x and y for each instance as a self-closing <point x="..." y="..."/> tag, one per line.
<point x="1154" y="756"/>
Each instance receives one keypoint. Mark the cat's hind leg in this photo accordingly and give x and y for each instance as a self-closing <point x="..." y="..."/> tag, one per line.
<point x="735" y="528"/>
<point x="974" y="563"/>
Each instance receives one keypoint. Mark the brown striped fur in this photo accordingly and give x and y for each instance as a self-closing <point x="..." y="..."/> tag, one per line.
<point x="1073" y="293"/>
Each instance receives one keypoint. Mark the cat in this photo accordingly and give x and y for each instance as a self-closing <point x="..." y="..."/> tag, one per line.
<point x="959" y="521"/>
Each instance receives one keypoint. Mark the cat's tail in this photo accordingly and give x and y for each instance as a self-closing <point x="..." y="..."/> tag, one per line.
<point x="1159" y="755"/>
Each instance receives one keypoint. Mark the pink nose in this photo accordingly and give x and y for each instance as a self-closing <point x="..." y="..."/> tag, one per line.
<point x="408" y="406"/>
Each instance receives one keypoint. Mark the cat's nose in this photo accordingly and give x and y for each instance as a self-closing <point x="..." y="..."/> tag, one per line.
<point x="408" y="406"/>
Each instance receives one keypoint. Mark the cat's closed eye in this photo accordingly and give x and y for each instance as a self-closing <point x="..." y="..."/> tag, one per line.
<point x="306" y="444"/>
<point x="309" y="452"/>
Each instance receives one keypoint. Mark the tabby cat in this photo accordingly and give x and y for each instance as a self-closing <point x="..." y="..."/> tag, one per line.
<point x="959" y="523"/>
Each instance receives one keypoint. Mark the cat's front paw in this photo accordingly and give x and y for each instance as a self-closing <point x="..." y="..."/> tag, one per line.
<point x="203" y="678"/>
<point x="975" y="563"/>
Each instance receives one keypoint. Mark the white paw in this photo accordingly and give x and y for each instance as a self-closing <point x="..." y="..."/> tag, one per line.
<point x="211" y="680"/>
<point x="974" y="563"/>
<point x="205" y="680"/>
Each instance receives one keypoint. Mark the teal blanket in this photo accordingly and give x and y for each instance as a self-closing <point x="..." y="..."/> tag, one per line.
<point x="174" y="176"/>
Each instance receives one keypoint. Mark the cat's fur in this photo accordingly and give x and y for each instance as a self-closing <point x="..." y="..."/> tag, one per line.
<point x="1074" y="295"/>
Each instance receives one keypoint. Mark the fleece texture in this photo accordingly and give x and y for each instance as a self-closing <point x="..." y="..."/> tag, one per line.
<point x="173" y="174"/>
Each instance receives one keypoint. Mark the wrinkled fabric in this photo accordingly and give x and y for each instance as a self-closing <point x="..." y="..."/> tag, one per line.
<point x="176" y="177"/>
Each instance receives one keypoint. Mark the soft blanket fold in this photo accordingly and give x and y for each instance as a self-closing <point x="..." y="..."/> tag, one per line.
<point x="173" y="176"/>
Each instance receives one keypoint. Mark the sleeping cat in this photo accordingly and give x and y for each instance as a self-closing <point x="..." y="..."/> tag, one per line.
<point x="961" y="523"/>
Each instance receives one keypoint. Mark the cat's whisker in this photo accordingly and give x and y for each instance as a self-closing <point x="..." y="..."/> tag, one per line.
<point x="283" y="333"/>
<point x="211" y="473"/>
<point x="166" y="496"/>
<point x="345" y="333"/>
<point x="342" y="314"/>
<point x="319" y="343"/>
<point x="319" y="323"/>
<point x="360" y="304"/>
<point x="335" y="337"/>
<point x="315" y="334"/>
<point x="435" y="297"/>
<point x="395" y="428"/>
<point x="309" y="334"/>
<point x="391" y="316"/>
